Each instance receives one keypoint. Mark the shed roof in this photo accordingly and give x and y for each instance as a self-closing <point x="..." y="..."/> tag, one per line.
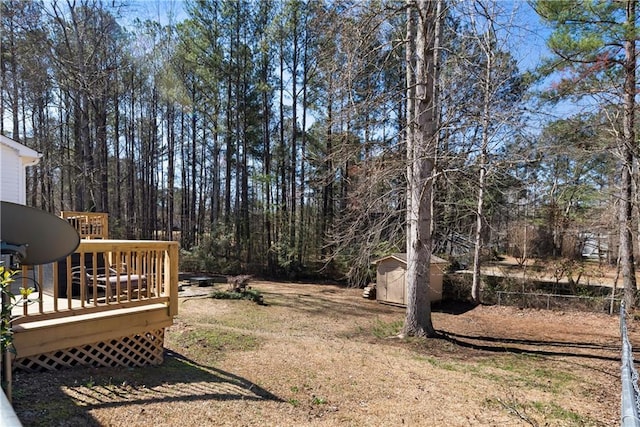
<point x="402" y="257"/>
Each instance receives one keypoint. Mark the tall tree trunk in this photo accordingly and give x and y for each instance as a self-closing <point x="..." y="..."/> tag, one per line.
<point x="215" y="190"/>
<point x="246" y="225"/>
<point x="420" y="187"/>
<point x="266" y="160"/>
<point x="302" y="236"/>
<point x="66" y="189"/>
<point x="410" y="51"/>
<point x="131" y="170"/>
<point x="184" y="207"/>
<point x="327" y="191"/>
<point x="116" y="212"/>
<point x="171" y="175"/>
<point x="102" y="199"/>
<point x="229" y="151"/>
<point x="486" y="119"/>
<point x="282" y="202"/>
<point x="240" y="138"/>
<point x="294" y="130"/>
<point x="14" y="87"/>
<point x="194" y="170"/>
<point x="628" y="148"/>
<point x="204" y="179"/>
<point x="154" y="165"/>
<point x="79" y="159"/>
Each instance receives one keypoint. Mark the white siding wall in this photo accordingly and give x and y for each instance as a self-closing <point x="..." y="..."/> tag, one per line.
<point x="12" y="176"/>
<point x="14" y="158"/>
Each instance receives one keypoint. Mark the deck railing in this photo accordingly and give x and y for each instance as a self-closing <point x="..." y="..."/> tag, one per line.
<point x="101" y="275"/>
<point x="89" y="225"/>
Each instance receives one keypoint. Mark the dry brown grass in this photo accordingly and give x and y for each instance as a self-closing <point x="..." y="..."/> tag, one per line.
<point x="322" y="355"/>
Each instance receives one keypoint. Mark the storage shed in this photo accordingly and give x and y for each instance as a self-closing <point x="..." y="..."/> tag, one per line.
<point x="14" y="159"/>
<point x="391" y="286"/>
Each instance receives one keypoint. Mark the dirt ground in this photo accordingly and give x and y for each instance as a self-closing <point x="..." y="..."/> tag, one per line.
<point x="322" y="355"/>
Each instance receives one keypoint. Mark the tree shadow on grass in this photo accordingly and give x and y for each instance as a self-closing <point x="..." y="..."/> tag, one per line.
<point x="321" y="304"/>
<point x="66" y="397"/>
<point x="533" y="347"/>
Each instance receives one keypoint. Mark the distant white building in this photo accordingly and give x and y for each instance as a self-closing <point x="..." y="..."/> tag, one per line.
<point x="14" y="159"/>
<point x="595" y="246"/>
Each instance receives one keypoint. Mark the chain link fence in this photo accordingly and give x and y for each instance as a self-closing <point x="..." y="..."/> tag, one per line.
<point x="630" y="392"/>
<point x="508" y="291"/>
<point x="606" y="301"/>
<point x="600" y="304"/>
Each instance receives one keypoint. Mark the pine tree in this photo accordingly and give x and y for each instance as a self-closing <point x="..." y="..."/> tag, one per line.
<point x="594" y="44"/>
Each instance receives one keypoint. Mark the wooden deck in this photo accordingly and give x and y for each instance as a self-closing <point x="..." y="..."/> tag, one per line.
<point x="107" y="304"/>
<point x="89" y="225"/>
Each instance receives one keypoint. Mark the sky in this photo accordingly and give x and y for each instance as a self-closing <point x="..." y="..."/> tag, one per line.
<point x="529" y="42"/>
<point x="162" y="11"/>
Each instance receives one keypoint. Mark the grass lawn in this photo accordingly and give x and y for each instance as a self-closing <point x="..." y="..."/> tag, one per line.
<point x="322" y="355"/>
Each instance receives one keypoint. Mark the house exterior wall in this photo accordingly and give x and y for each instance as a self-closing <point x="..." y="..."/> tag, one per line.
<point x="12" y="187"/>
<point x="14" y="158"/>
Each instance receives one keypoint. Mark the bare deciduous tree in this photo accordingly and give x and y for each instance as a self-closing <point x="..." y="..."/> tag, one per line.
<point x="421" y="153"/>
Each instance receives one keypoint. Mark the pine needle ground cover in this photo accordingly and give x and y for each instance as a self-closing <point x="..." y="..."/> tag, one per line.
<point x="322" y="355"/>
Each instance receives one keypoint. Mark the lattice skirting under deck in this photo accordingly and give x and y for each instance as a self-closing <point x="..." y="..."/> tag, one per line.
<point x="135" y="350"/>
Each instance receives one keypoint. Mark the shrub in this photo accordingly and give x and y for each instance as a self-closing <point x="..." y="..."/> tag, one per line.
<point x="6" y="334"/>
<point x="248" y="294"/>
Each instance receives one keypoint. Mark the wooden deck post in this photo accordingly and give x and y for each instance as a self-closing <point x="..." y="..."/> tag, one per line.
<point x="173" y="278"/>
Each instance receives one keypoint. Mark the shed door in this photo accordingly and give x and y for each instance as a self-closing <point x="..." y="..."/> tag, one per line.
<point x="395" y="285"/>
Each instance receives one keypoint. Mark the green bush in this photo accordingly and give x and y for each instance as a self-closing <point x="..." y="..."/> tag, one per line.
<point x="249" y="294"/>
<point x="6" y="334"/>
<point x="211" y="255"/>
<point x="456" y="287"/>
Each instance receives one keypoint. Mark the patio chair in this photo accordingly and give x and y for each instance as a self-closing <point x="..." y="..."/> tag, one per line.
<point x="108" y="280"/>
